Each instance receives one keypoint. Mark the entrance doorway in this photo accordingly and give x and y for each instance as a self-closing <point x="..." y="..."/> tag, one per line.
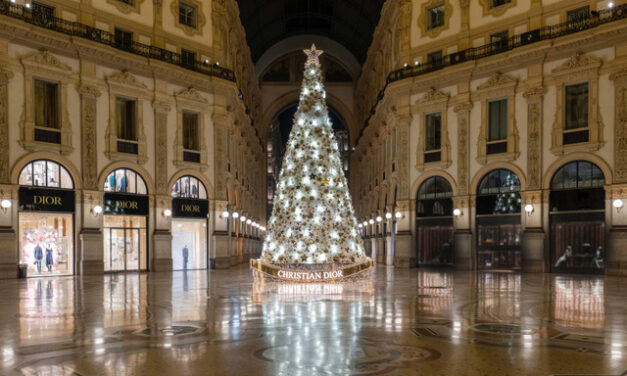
<point x="434" y="222"/>
<point x="499" y="232"/>
<point x="124" y="243"/>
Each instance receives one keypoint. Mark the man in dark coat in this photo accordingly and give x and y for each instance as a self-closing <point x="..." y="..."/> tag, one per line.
<point x="39" y="254"/>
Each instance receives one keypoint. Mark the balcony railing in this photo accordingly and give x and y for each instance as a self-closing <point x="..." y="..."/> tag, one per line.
<point x="547" y="32"/>
<point x="77" y="29"/>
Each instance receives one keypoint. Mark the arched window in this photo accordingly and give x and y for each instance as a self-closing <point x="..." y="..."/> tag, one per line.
<point x="189" y="187"/>
<point x="498" y="193"/>
<point x="46" y="173"/>
<point x="578" y="185"/>
<point x="578" y="175"/>
<point x="434" y="198"/>
<point x="124" y="180"/>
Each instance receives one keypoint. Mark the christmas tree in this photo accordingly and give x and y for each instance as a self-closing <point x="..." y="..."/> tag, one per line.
<point x="313" y="226"/>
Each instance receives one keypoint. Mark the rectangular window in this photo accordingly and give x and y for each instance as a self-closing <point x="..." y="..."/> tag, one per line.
<point x="46" y="104"/>
<point x="190" y="131"/>
<point x="187" y="14"/>
<point x="498" y="3"/>
<point x="188" y="57"/>
<point x="497" y="120"/>
<point x="499" y="40"/>
<point x="578" y="19"/>
<point x="435" y="58"/>
<point x="433" y="124"/>
<point x="126" y="117"/>
<point x="576" y="106"/>
<point x="123" y="39"/>
<point x="436" y="16"/>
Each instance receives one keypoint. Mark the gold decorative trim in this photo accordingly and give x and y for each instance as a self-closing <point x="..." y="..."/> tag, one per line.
<point x="200" y="17"/>
<point x="126" y="8"/>
<point x="495" y="11"/>
<point x="319" y="273"/>
<point x="578" y="69"/>
<point x="423" y="18"/>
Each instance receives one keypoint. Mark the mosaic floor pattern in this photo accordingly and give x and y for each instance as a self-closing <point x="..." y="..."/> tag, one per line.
<point x="401" y="322"/>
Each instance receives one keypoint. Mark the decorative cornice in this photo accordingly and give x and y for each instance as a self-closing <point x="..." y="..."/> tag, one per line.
<point x="125" y="78"/>
<point x="126" y="8"/>
<point x="191" y="94"/>
<point x="578" y="62"/>
<point x="498" y="81"/>
<point x="463" y="107"/>
<point x="433" y="95"/>
<point x="89" y="91"/>
<point x="619" y="76"/>
<point x="45" y="58"/>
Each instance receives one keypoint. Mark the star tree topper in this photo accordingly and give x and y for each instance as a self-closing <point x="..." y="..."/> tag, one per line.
<point x="312" y="54"/>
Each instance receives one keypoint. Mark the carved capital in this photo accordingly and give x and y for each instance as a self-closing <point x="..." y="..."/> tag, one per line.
<point x="535" y="93"/>
<point x="463" y="107"/>
<point x="89" y="91"/>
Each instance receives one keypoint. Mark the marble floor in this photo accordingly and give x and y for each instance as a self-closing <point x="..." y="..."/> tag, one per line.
<point x="399" y="322"/>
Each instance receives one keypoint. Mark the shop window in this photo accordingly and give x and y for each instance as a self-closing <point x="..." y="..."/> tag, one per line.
<point x="126" y="120"/>
<point x="498" y="193"/>
<point x="189" y="187"/>
<point x="46" y="104"/>
<point x="45" y="173"/>
<point x="576" y="113"/>
<point x="436" y="16"/>
<point x="187" y="14"/>
<point x="123" y="39"/>
<point x="188" y="58"/>
<point x="577" y="218"/>
<point x="124" y="180"/>
<point x="434" y="222"/>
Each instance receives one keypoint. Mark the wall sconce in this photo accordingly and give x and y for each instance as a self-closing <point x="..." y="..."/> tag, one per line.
<point x="371" y="221"/>
<point x="458" y="212"/>
<point x="242" y="218"/>
<point x="529" y="209"/>
<point x="248" y="221"/>
<point x="235" y="215"/>
<point x="167" y="212"/>
<point x="360" y="225"/>
<point x="5" y="204"/>
<point x="388" y="215"/>
<point x="398" y="215"/>
<point x="379" y="219"/>
<point x="365" y="223"/>
<point x="96" y="210"/>
<point x="225" y="214"/>
<point x="618" y="204"/>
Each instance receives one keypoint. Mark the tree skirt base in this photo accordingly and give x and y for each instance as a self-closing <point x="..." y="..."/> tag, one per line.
<point x="308" y="273"/>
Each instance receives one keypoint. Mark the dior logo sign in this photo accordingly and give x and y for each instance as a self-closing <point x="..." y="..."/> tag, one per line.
<point x="189" y="208"/>
<point x="47" y="200"/>
<point x="126" y="205"/>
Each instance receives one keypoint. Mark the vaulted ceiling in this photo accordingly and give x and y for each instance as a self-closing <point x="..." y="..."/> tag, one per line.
<point x="348" y="22"/>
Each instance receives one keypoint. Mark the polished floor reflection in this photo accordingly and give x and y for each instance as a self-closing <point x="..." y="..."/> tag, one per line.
<point x="401" y="322"/>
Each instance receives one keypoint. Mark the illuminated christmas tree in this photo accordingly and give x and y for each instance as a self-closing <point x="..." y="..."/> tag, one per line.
<point x="313" y="226"/>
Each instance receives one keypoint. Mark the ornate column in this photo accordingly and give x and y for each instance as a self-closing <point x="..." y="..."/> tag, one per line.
<point x="404" y="247"/>
<point x="533" y="250"/>
<point x="616" y="258"/>
<point x="462" y="245"/>
<point x="8" y="256"/>
<point x="161" y="259"/>
<point x="464" y="42"/>
<point x="221" y="229"/>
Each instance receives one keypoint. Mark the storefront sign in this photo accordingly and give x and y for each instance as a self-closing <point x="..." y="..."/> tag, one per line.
<point x="124" y="204"/>
<point x="325" y="273"/>
<point x="183" y="207"/>
<point x="46" y="199"/>
<point x="310" y="276"/>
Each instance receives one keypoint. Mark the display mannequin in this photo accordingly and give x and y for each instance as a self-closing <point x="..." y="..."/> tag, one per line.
<point x="49" y="258"/>
<point x="565" y="256"/>
<point x="185" y="256"/>
<point x="39" y="254"/>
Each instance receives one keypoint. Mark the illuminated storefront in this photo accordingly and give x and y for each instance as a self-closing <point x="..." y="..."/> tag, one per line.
<point x="189" y="224"/>
<point x="46" y="219"/>
<point x="577" y="218"/>
<point x="125" y="221"/>
<point x="434" y="222"/>
<point x="498" y="221"/>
